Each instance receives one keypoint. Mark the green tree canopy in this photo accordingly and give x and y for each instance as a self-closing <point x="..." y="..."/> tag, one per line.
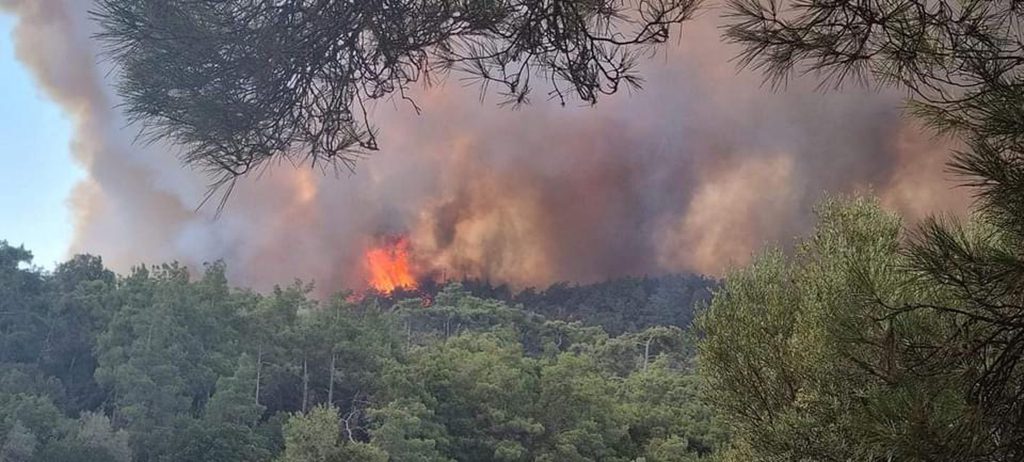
<point x="962" y="62"/>
<point x="836" y="353"/>
<point x="160" y="365"/>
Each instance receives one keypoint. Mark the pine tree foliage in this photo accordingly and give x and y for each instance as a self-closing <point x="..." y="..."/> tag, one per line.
<point x="963" y="65"/>
<point x="239" y="83"/>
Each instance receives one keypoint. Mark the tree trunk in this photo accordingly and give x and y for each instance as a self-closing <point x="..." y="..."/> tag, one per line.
<point x="259" y="370"/>
<point x="348" y="426"/>
<point x="647" y="351"/>
<point x="305" y="385"/>
<point x="330" y="388"/>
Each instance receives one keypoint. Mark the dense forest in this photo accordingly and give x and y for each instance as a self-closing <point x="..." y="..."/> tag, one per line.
<point x="157" y="365"/>
<point x="617" y="305"/>
<point x="870" y="339"/>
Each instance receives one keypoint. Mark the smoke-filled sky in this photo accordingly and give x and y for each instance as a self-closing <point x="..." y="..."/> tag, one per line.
<point x="694" y="173"/>
<point x="34" y="138"/>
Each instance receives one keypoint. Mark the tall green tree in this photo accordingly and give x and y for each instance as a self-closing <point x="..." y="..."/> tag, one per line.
<point x="806" y="360"/>
<point x="81" y="303"/>
<point x="90" y="439"/>
<point x="19" y="444"/>
<point x="315" y="437"/>
<point x="962" y="63"/>
<point x="23" y="316"/>
<point x="165" y="347"/>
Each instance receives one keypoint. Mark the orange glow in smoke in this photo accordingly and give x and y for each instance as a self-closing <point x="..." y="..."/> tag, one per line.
<point x="388" y="266"/>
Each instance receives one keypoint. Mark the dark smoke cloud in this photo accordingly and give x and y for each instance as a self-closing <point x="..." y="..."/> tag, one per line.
<point x="693" y="174"/>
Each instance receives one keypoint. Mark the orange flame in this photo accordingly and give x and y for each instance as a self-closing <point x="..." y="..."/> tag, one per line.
<point x="389" y="267"/>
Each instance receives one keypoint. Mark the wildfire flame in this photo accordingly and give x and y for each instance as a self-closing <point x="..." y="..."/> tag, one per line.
<point x="388" y="266"/>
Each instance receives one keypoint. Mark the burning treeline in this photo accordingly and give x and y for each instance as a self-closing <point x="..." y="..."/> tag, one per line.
<point x="389" y="266"/>
<point x="693" y="174"/>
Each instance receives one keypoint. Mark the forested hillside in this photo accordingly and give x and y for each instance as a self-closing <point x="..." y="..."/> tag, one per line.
<point x="878" y="335"/>
<point x="617" y="305"/>
<point x="158" y="366"/>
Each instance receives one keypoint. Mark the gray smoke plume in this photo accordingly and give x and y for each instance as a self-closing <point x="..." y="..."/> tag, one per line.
<point x="695" y="173"/>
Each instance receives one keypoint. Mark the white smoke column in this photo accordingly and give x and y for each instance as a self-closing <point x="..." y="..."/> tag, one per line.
<point x="694" y="173"/>
<point x="132" y="198"/>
